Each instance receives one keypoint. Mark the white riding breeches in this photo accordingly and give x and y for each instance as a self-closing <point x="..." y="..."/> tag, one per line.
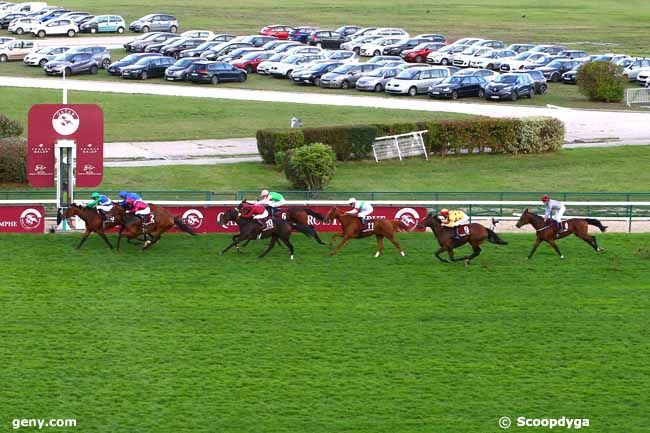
<point x="145" y="211"/>
<point x="262" y="215"/>
<point x="462" y="222"/>
<point x="275" y="204"/>
<point x="559" y="214"/>
<point x="105" y="208"/>
<point x="365" y="212"/>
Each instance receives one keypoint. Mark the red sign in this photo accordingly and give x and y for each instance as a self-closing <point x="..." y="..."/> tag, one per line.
<point x="82" y="123"/>
<point x="22" y="219"/>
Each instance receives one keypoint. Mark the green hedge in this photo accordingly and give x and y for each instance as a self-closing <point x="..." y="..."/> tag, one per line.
<point x="9" y="128"/>
<point x="310" y="167"/>
<point x="526" y="135"/>
<point x="601" y="82"/>
<point x="13" y="155"/>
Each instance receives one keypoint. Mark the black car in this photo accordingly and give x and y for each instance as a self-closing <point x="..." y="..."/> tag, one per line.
<point x="327" y="39"/>
<point x="215" y="73"/>
<point x="196" y="52"/>
<point x="572" y="54"/>
<point x="179" y="70"/>
<point x="538" y="79"/>
<point x="542" y="61"/>
<point x="571" y="77"/>
<point x="258" y="40"/>
<point x="312" y="75"/>
<point x="7" y="19"/>
<point x="149" y="67"/>
<point x="553" y="71"/>
<point x="510" y="86"/>
<point x="115" y="68"/>
<point x="157" y="47"/>
<point x="458" y="87"/>
<point x="237" y="54"/>
<point x="174" y="50"/>
<point x="407" y="44"/>
<point x="138" y="45"/>
<point x="223" y="50"/>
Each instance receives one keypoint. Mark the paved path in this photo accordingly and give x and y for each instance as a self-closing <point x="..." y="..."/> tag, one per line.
<point x="582" y="125"/>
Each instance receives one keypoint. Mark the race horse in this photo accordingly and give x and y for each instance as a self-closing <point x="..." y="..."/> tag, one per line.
<point x="548" y="230"/>
<point x="448" y="240"/>
<point x="93" y="220"/>
<point x="300" y="216"/>
<point x="351" y="228"/>
<point x="132" y="227"/>
<point x="249" y="230"/>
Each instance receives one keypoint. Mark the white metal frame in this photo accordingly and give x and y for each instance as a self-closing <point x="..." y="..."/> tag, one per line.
<point x="416" y="135"/>
<point x="637" y="96"/>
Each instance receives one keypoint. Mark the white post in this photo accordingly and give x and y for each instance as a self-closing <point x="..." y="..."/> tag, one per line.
<point x="65" y="89"/>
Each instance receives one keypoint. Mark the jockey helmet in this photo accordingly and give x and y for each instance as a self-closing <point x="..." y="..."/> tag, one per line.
<point x="352" y="200"/>
<point x="444" y="212"/>
<point x="122" y="194"/>
<point x="265" y="193"/>
<point x="95" y="195"/>
<point x="545" y="198"/>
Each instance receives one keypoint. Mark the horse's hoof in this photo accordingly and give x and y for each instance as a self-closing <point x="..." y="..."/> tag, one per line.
<point x="561" y="257"/>
<point x="330" y="254"/>
<point x="466" y="262"/>
<point x="291" y="256"/>
<point x="600" y="250"/>
<point x="402" y="253"/>
<point x="377" y="254"/>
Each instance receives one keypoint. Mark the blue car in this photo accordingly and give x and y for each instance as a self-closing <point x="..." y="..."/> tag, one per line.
<point x="301" y="34"/>
<point x="52" y="14"/>
<point x="104" y="24"/>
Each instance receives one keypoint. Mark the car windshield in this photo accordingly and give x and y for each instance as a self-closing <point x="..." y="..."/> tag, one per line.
<point x="470" y="50"/>
<point x="206" y="45"/>
<point x="143" y="62"/>
<point x="276" y="57"/>
<point x="408" y="74"/>
<point x="251" y="56"/>
<point x="506" y="79"/>
<point x="388" y="42"/>
<point x="344" y="69"/>
<point x="543" y="59"/>
<point x="65" y="57"/>
<point x="452" y="80"/>
<point x="377" y="73"/>
<point x="183" y="63"/>
<point x="555" y="64"/>
<point x="291" y="59"/>
<point x="318" y="66"/>
<point x="175" y="42"/>
<point x="132" y="58"/>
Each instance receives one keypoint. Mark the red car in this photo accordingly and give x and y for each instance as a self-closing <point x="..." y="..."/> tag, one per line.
<point x="419" y="53"/>
<point x="277" y="31"/>
<point x="248" y="62"/>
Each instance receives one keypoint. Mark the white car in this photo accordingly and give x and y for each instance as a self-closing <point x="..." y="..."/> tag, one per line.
<point x="487" y="60"/>
<point x="520" y="61"/>
<point x="376" y="47"/>
<point x="5" y="40"/>
<point x="44" y="55"/>
<point x="264" y="68"/>
<point x="22" y="25"/>
<point x="355" y="44"/>
<point x="465" y="57"/>
<point x="466" y="41"/>
<point x="16" y="50"/>
<point x="486" y="74"/>
<point x="632" y="70"/>
<point x="198" y="34"/>
<point x="285" y="67"/>
<point x="416" y="80"/>
<point x="642" y="76"/>
<point x="303" y="49"/>
<point x="56" y="27"/>
<point x="344" y="56"/>
<point x="390" y="31"/>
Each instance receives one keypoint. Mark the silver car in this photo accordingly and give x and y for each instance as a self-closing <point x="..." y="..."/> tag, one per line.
<point x="44" y="55"/>
<point x="376" y="80"/>
<point x="346" y="76"/>
<point x="155" y="23"/>
<point x="414" y="81"/>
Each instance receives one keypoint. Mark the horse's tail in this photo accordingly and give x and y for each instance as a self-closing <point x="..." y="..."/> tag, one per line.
<point x="178" y="221"/>
<point x="308" y="231"/>
<point x="495" y="239"/>
<point x="315" y="214"/>
<point x="596" y="223"/>
<point x="400" y="226"/>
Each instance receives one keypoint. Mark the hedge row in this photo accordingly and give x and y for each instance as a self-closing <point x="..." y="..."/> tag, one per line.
<point x="527" y="135"/>
<point x="13" y="160"/>
<point x="9" y="128"/>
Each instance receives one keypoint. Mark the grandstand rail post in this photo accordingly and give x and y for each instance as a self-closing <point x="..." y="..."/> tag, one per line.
<point x="470" y="213"/>
<point x="629" y="219"/>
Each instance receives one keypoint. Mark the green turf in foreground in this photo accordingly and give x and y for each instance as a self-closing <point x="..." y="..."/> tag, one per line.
<point x="598" y="169"/>
<point x="165" y="118"/>
<point x="180" y="339"/>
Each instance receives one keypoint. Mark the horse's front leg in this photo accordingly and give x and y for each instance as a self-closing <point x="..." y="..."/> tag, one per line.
<point x="274" y="239"/>
<point x="537" y="242"/>
<point x="235" y="242"/>
<point x="83" y="239"/>
<point x="440" y="251"/>
<point x="344" y="241"/>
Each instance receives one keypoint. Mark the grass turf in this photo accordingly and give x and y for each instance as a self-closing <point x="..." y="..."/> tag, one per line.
<point x="180" y="339"/>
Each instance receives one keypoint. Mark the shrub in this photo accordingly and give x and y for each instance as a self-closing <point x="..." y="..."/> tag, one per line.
<point x="270" y="141"/>
<point x="13" y="160"/>
<point x="601" y="82"/>
<point x="9" y="128"/>
<point x="310" y="167"/>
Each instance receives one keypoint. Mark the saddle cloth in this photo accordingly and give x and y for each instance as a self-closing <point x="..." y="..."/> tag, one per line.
<point x="462" y="230"/>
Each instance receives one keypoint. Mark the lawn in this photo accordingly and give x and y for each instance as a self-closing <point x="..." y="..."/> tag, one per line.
<point x="180" y="339"/>
<point x="173" y="118"/>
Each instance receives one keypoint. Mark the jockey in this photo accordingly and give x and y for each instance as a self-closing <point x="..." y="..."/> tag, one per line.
<point x="554" y="205"/>
<point x="271" y="200"/>
<point x="128" y="198"/>
<point x="454" y="218"/>
<point x="102" y="203"/>
<point x="142" y="211"/>
<point x="256" y="211"/>
<point x="362" y="209"/>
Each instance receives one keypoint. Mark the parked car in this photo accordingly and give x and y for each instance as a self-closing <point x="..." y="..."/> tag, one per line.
<point x="5" y="20"/>
<point x="540" y="62"/>
<point x="51" y="14"/>
<point x="44" y="55"/>
<point x="510" y="86"/>
<point x="548" y="49"/>
<point x="419" y="53"/>
<point x="275" y="43"/>
<point x="391" y="31"/>
<point x="174" y="49"/>
<point x="215" y="73"/>
<point x="364" y="31"/>
<point x="414" y="81"/>
<point x="553" y="70"/>
<point x="79" y="21"/>
<point x="224" y="49"/>
<point x="520" y="61"/>
<point x="487" y="60"/>
<point x="301" y="33"/>
<point x="264" y="67"/>
<point x="16" y="50"/>
<point x="304" y="49"/>
<point x="277" y="31"/>
<point x="69" y="64"/>
<point x="237" y="54"/>
<point x="326" y="39"/>
<point x="104" y="24"/>
<point x="489" y="43"/>
<point x="631" y="71"/>
<point x="222" y="37"/>
<point x="312" y="75"/>
<point x="355" y="44"/>
<point x="458" y="87"/>
<point x="465" y="57"/>
<point x="487" y="74"/>
<point x="257" y="41"/>
<point x="444" y="56"/>
<point x="198" y="34"/>
<point x="115" y="68"/>
<point x="101" y="54"/>
<point x="347" y="30"/>
<point x="432" y="37"/>
<point x="539" y="80"/>
<point x="155" y="22"/>
<point x="73" y="16"/>
<point x="376" y="48"/>
<point x="5" y="41"/>
<point x="198" y="50"/>
<point x="148" y="67"/>
<point x="285" y="67"/>
<point x="22" y="25"/>
<point x="643" y="76"/>
<point x="56" y="27"/>
<point x="397" y="48"/>
<point x="466" y="41"/>
<point x="342" y="56"/>
<point x="138" y="45"/>
<point x="179" y="70"/>
<point x="520" y="48"/>
<point x="378" y="59"/>
<point x="288" y="46"/>
<point x="375" y="81"/>
<point x="572" y="54"/>
<point x="250" y="61"/>
<point x="346" y="76"/>
<point x="571" y="77"/>
<point x="158" y="47"/>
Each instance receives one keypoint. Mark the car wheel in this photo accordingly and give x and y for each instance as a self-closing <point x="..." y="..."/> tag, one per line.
<point x="289" y="74"/>
<point x="249" y="69"/>
<point x="120" y="29"/>
<point x="41" y="33"/>
<point x="319" y="45"/>
<point x="555" y="77"/>
<point x="19" y="31"/>
<point x="42" y="62"/>
<point x="106" y="63"/>
<point x="345" y="84"/>
<point x="444" y="61"/>
<point x="531" y="93"/>
<point x="481" y="93"/>
<point x="214" y="79"/>
<point x="357" y="50"/>
<point x="413" y="91"/>
<point x="542" y="89"/>
<point x="144" y="75"/>
<point x="3" y="58"/>
<point x="71" y="33"/>
<point x="454" y="95"/>
<point x="514" y="95"/>
<point x="67" y="72"/>
<point x="145" y="29"/>
<point x="377" y="53"/>
<point x="173" y="29"/>
<point x="93" y="70"/>
<point x="378" y="88"/>
<point x="93" y="30"/>
<point x="490" y="66"/>
<point x="242" y="78"/>
<point x="419" y="59"/>
<point x="316" y="81"/>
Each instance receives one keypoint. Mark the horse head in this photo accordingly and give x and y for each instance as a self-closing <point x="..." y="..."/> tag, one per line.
<point x="431" y="220"/>
<point x="229" y="215"/>
<point x="524" y="219"/>
<point x="332" y="214"/>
